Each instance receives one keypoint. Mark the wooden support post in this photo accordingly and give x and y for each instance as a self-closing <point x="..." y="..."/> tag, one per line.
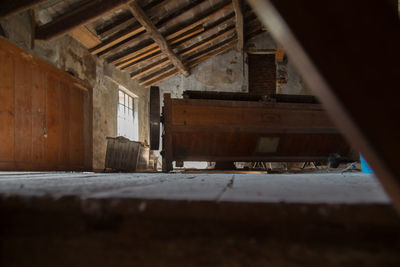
<point x="157" y="37"/>
<point x="88" y="12"/>
<point x="362" y="98"/>
<point x="237" y="6"/>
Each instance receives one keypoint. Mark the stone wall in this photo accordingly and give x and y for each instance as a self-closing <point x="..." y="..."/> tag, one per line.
<point x="69" y="55"/>
<point x="228" y="72"/>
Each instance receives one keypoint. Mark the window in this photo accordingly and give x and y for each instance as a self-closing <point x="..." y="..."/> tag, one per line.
<point x="127" y="116"/>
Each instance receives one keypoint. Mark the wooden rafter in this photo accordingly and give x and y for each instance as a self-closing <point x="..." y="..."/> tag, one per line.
<point x="237" y="6"/>
<point x="195" y="24"/>
<point x="139" y="14"/>
<point x="190" y="60"/>
<point x="197" y="58"/>
<point x="154" y="48"/>
<point x="224" y="23"/>
<point x="85" y="37"/>
<point x="129" y="21"/>
<point x="185" y="52"/>
<point x="86" y="13"/>
<point x="116" y="40"/>
<point x="194" y="62"/>
<point x="10" y="7"/>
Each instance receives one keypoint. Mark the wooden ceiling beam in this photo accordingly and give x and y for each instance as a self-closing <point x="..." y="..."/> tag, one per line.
<point x="85" y="37"/>
<point x="192" y="61"/>
<point x="10" y="7"/>
<point x="154" y="48"/>
<point x="117" y="40"/>
<point x="192" y="64"/>
<point x="120" y="40"/>
<point x="176" y="33"/>
<point x="164" y="62"/>
<point x="222" y="23"/>
<point x="157" y="74"/>
<point x="88" y="12"/>
<point x="159" y="22"/>
<point x="237" y="6"/>
<point x="161" y="78"/>
<point x="139" y="14"/>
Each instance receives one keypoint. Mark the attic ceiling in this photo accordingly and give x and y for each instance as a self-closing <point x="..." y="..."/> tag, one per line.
<point x="150" y="39"/>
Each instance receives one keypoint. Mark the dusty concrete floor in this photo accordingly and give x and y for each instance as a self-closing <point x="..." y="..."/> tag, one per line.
<point x="296" y="188"/>
<point x="196" y="219"/>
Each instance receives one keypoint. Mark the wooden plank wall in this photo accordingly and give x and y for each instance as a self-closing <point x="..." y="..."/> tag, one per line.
<point x="41" y="115"/>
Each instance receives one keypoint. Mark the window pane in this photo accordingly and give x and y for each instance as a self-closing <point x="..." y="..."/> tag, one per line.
<point x="130" y="103"/>
<point x="121" y="97"/>
<point x="126" y="100"/>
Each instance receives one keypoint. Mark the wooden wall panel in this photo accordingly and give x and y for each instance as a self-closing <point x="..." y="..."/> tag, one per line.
<point x="64" y="124"/>
<point x="42" y="115"/>
<point x="52" y="119"/>
<point x="6" y="107"/>
<point x="39" y="127"/>
<point x="76" y="130"/>
<point x="23" y="110"/>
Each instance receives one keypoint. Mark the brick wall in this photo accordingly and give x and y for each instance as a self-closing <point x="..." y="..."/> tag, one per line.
<point x="262" y="74"/>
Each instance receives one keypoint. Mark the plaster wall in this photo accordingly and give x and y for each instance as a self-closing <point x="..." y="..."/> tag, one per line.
<point x="225" y="72"/>
<point x="228" y="72"/>
<point x="69" y="55"/>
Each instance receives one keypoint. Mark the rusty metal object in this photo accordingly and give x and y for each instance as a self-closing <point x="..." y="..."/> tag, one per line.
<point x="229" y="131"/>
<point x="331" y="46"/>
<point x="154" y="118"/>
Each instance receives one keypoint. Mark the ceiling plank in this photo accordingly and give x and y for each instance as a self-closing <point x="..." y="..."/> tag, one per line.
<point x="88" y="12"/>
<point x="114" y="41"/>
<point x="191" y="49"/>
<point x="166" y="72"/>
<point x="192" y="64"/>
<point x="154" y="48"/>
<point x="177" y="33"/>
<point x="157" y="37"/>
<point x="223" y="23"/>
<point x="10" y="7"/>
<point x="237" y="6"/>
<point x="193" y="60"/>
<point x="85" y="37"/>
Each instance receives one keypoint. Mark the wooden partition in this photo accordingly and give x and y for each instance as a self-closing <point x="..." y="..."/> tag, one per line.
<point x="45" y="115"/>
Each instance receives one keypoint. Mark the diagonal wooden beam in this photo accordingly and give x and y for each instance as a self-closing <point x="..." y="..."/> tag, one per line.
<point x="189" y="27"/>
<point x="191" y="49"/>
<point x="10" y="7"/>
<point x="203" y="56"/>
<point x="237" y="6"/>
<point x="86" y="13"/>
<point x="362" y="98"/>
<point x="139" y="14"/>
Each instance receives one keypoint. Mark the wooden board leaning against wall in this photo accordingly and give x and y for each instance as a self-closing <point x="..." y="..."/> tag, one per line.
<point x="45" y="115"/>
